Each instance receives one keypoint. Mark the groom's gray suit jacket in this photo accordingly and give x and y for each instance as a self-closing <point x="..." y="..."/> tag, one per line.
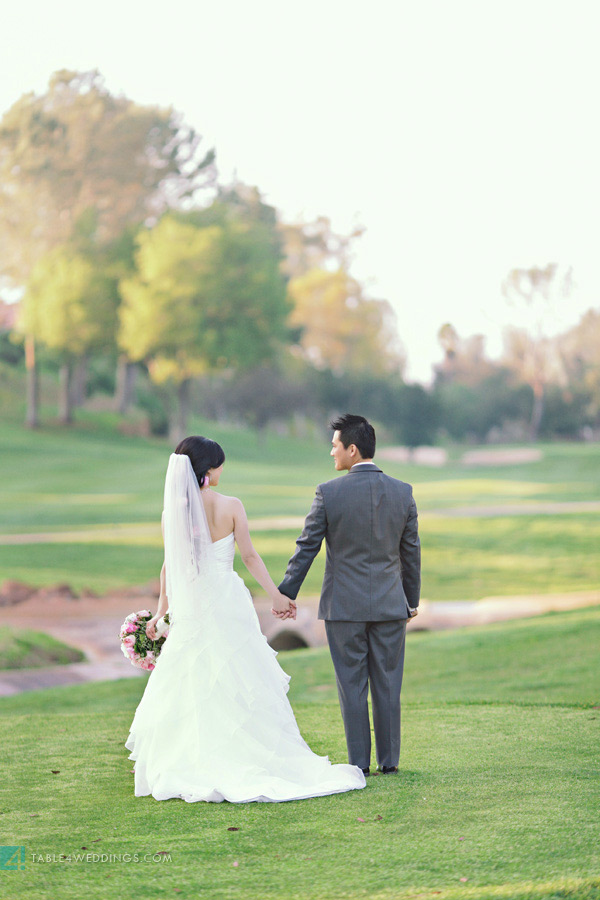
<point x="373" y="566"/>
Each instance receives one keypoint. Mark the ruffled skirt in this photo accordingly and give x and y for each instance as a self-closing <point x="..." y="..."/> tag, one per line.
<point x="215" y="722"/>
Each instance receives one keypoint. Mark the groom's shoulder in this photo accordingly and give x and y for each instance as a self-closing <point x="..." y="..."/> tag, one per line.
<point x="397" y="486"/>
<point x="344" y="482"/>
<point x="331" y="485"/>
<point x="398" y="481"/>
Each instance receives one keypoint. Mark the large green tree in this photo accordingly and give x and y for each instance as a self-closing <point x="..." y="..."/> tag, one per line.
<point x="70" y="307"/>
<point x="78" y="148"/>
<point x="208" y="295"/>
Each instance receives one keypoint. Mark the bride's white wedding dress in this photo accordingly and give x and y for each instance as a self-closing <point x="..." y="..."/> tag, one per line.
<point x="215" y="722"/>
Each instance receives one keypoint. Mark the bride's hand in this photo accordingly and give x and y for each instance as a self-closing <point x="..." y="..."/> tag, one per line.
<point x="283" y="607"/>
<point x="151" y="627"/>
<point x="289" y="613"/>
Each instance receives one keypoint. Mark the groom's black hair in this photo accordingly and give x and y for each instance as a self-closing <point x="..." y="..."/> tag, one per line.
<point x="204" y="454"/>
<point x="356" y="430"/>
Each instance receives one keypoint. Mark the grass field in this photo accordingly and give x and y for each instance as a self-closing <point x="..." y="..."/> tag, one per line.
<point x="24" y="648"/>
<point x="498" y="794"/>
<point x="99" y="494"/>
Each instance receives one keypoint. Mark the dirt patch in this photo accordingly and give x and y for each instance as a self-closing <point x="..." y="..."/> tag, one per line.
<point x="61" y="596"/>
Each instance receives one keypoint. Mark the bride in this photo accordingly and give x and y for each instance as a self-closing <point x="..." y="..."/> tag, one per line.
<point x="214" y="722"/>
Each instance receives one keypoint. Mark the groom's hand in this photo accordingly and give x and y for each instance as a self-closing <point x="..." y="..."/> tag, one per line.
<point x="291" y="613"/>
<point x="283" y="607"/>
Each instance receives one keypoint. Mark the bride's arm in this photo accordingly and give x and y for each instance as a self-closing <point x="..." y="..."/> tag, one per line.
<point x="254" y="563"/>
<point x="163" y="600"/>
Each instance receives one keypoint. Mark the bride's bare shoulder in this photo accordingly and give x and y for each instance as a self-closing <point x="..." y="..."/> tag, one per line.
<point x="232" y="503"/>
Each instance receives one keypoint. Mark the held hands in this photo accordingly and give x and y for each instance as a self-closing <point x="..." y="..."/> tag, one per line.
<point x="283" y="607"/>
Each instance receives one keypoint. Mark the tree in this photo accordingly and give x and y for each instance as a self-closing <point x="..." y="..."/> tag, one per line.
<point x="464" y="360"/>
<point x="262" y="395"/>
<point x="530" y="351"/>
<point x="418" y="415"/>
<point x="78" y="148"/>
<point x="204" y="298"/>
<point x="70" y="307"/>
<point x="340" y="329"/>
<point x="579" y="349"/>
<point x="314" y="245"/>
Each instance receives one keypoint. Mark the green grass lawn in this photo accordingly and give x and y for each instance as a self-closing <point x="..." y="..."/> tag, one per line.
<point x="22" y="648"/>
<point x="461" y="559"/>
<point x="91" y="480"/>
<point x="498" y="786"/>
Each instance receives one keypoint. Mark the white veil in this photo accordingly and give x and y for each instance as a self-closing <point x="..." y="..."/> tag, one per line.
<point x="190" y="560"/>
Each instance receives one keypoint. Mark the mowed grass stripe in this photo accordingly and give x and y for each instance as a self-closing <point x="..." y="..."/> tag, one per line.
<point x="463" y="559"/>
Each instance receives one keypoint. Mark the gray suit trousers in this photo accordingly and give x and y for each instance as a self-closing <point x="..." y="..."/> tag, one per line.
<point x="363" y="653"/>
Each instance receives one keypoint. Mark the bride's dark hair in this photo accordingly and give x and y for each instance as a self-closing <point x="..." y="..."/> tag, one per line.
<point x="204" y="454"/>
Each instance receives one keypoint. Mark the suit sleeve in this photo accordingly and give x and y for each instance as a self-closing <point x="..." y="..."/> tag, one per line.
<point x="410" y="557"/>
<point x="307" y="547"/>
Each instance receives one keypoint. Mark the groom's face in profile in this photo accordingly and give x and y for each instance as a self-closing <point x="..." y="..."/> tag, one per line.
<point x="343" y="457"/>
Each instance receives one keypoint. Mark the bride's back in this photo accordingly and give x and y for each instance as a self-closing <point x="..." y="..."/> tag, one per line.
<point x="219" y="514"/>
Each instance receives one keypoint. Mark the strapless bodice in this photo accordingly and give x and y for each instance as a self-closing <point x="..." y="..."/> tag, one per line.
<point x="225" y="552"/>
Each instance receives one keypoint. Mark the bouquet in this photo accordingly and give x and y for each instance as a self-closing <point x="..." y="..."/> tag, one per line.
<point x="135" y="643"/>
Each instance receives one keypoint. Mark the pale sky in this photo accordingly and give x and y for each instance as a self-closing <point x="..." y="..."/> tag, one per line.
<point x="463" y="134"/>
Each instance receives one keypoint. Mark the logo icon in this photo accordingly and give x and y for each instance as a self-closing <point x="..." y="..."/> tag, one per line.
<point x="12" y="858"/>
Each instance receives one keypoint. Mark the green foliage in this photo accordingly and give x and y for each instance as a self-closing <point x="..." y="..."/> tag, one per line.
<point x="154" y="405"/>
<point x="261" y="395"/>
<point x="70" y="304"/>
<point x="11" y="350"/>
<point x="204" y="297"/>
<point x="406" y="412"/>
<point x="566" y="411"/>
<point x="471" y="411"/>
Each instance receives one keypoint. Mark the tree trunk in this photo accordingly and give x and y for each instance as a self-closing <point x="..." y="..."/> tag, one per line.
<point x="125" y="383"/>
<point x="79" y="384"/>
<point x="65" y="400"/>
<point x="179" y="422"/>
<point x="32" y="419"/>
<point x="537" y="411"/>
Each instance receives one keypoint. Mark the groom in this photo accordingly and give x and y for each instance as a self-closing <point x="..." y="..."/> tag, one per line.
<point x="371" y="587"/>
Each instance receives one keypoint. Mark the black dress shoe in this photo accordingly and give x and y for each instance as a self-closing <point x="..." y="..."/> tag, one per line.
<point x="388" y="770"/>
<point x="366" y="771"/>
